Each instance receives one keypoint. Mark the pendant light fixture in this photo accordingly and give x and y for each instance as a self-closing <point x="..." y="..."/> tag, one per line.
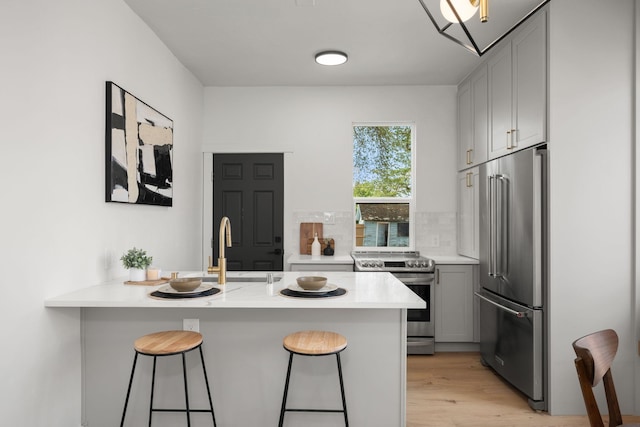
<point x="457" y="12"/>
<point x="464" y="8"/>
<point x="331" y="57"/>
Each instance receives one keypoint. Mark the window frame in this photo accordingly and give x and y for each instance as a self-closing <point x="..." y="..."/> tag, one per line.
<point x="389" y="200"/>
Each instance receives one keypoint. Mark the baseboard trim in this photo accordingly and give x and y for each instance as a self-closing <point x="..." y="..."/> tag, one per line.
<point x="457" y="346"/>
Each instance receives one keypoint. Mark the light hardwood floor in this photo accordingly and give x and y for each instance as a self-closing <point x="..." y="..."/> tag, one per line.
<point x="454" y="389"/>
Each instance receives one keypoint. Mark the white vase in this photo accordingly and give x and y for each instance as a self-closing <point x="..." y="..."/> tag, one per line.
<point x="315" y="247"/>
<point x="137" y="274"/>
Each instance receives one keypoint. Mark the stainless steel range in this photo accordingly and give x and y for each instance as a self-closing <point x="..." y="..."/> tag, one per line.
<point x="417" y="273"/>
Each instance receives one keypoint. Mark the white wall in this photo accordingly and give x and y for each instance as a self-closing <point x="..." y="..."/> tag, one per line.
<point x="313" y="125"/>
<point x="591" y="218"/>
<point x="57" y="232"/>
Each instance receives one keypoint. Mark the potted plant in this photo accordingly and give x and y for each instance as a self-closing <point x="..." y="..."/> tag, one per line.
<point x="137" y="261"/>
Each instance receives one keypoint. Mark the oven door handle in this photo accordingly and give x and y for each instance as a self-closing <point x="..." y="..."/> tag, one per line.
<point x="417" y="281"/>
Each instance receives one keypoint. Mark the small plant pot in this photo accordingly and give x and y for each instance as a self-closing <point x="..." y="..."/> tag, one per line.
<point x="137" y="274"/>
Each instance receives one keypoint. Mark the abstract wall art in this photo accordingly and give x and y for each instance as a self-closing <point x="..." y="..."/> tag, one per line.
<point x="139" y="151"/>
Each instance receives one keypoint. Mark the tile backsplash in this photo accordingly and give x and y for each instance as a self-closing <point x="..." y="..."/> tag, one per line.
<point x="435" y="231"/>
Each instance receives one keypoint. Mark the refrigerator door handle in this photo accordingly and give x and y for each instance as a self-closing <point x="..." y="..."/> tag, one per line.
<point x="501" y="229"/>
<point x="518" y="314"/>
<point x="493" y="226"/>
<point x="495" y="221"/>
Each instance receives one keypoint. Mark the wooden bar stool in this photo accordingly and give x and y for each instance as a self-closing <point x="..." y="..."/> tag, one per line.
<point x="314" y="343"/>
<point x="169" y="343"/>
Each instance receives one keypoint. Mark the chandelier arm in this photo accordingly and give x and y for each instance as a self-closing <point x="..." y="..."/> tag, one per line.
<point x="473" y="42"/>
<point x="433" y="20"/>
<point x="455" y="12"/>
<point x="472" y="49"/>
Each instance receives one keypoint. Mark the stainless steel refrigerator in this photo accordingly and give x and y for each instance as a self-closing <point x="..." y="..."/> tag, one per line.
<point x="513" y="265"/>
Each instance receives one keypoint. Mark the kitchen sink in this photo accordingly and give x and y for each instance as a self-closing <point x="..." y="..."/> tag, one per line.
<point x="241" y="279"/>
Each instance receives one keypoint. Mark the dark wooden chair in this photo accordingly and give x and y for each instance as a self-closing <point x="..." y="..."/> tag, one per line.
<point x="595" y="353"/>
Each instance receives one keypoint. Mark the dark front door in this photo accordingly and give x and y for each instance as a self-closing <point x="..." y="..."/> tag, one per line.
<point x="248" y="188"/>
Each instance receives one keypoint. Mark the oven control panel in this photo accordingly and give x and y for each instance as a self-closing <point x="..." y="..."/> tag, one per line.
<point x="418" y="265"/>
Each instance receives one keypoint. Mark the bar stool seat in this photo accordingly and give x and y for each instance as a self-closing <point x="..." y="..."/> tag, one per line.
<point x="314" y="343"/>
<point x="169" y="343"/>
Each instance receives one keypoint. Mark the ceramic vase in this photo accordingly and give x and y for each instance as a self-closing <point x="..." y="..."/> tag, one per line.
<point x="328" y="250"/>
<point x="137" y="274"/>
<point x="315" y="247"/>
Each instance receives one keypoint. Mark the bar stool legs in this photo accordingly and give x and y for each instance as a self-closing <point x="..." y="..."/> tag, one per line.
<point x="314" y="343"/>
<point x="344" y="400"/>
<point x="286" y="392"/>
<point x="126" y="400"/>
<point x="175" y="342"/>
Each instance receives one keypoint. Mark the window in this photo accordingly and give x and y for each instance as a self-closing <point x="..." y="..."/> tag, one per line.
<point x="383" y="185"/>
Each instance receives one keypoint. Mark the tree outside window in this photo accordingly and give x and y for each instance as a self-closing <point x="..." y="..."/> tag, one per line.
<point x="382" y="184"/>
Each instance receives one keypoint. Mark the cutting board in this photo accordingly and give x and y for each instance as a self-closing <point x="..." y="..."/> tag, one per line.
<point x="307" y="231"/>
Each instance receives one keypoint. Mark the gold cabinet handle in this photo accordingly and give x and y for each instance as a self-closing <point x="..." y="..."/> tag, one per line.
<point x="469" y="151"/>
<point x="510" y="134"/>
<point x="469" y="180"/>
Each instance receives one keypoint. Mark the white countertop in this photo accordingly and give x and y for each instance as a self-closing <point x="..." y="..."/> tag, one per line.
<point x="364" y="291"/>
<point x="347" y="259"/>
<point x="451" y="259"/>
<point x="322" y="259"/>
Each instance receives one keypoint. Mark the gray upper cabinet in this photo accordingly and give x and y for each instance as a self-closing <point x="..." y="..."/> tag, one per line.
<point x="473" y="119"/>
<point x="468" y="218"/>
<point x="480" y="102"/>
<point x="465" y="123"/>
<point x="518" y="90"/>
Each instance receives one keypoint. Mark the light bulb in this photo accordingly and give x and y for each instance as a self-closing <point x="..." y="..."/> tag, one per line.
<point x="464" y="8"/>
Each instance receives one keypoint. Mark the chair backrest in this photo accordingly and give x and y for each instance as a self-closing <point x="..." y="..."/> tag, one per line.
<point x="595" y="353"/>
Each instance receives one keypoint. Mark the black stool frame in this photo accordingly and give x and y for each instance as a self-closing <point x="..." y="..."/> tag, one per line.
<point x="286" y="389"/>
<point x="188" y="410"/>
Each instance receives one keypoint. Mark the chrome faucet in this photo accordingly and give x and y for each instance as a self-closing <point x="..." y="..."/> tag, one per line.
<point x="221" y="268"/>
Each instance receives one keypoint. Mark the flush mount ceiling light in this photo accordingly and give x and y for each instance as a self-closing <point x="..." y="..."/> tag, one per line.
<point x="454" y="20"/>
<point x="331" y="57"/>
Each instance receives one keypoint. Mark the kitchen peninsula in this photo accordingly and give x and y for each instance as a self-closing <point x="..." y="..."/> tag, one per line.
<point x="243" y="327"/>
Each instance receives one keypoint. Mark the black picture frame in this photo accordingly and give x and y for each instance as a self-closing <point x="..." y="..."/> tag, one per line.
<point x="139" y="151"/>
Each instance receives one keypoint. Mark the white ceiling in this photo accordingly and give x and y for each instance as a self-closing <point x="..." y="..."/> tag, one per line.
<point x="273" y="42"/>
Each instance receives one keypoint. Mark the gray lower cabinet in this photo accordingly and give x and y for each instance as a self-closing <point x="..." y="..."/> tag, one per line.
<point x="321" y="267"/>
<point x="454" y="303"/>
